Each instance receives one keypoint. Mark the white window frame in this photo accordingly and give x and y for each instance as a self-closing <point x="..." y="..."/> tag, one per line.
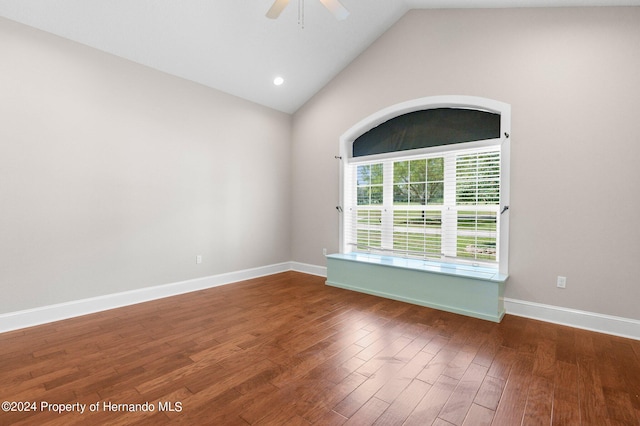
<point x="469" y="102"/>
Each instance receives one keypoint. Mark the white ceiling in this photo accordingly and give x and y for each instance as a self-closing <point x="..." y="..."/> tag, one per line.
<point x="230" y="45"/>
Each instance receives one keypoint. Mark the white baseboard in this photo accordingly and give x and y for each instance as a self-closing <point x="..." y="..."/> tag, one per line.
<point x="46" y="314"/>
<point x="306" y="268"/>
<point x="617" y="326"/>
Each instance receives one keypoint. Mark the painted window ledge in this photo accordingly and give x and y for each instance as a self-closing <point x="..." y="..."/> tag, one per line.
<point x="463" y="289"/>
<point x="468" y="271"/>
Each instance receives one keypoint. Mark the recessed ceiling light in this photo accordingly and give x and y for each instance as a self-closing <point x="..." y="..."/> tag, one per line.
<point x="278" y="81"/>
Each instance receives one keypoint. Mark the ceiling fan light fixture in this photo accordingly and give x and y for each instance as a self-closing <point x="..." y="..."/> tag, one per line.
<point x="334" y="6"/>
<point x="277" y="8"/>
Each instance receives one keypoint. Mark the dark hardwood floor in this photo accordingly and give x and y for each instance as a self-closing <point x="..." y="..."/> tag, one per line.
<point x="286" y="349"/>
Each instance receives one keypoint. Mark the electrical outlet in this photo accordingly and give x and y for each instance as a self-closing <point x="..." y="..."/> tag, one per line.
<point x="324" y="251"/>
<point x="199" y="258"/>
<point x="561" y="282"/>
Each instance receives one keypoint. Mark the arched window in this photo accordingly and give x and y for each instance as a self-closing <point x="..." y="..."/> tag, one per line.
<point x="429" y="179"/>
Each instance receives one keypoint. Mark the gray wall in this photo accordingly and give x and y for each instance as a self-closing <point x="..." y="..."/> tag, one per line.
<point x="572" y="77"/>
<point x="114" y="177"/>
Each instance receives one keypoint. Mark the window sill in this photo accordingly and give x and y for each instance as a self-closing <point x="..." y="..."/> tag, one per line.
<point x="467" y="271"/>
<point x="462" y="289"/>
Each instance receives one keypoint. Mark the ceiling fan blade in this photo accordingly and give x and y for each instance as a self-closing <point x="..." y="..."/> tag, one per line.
<point x="335" y="7"/>
<point x="276" y="8"/>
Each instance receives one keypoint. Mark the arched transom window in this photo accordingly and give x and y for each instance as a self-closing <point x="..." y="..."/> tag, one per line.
<point x="429" y="179"/>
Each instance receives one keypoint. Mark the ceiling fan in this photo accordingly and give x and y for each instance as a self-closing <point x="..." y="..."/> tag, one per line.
<point x="334" y="6"/>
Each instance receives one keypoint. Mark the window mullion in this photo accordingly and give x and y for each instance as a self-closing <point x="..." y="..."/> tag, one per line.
<point x="387" y="206"/>
<point x="450" y="212"/>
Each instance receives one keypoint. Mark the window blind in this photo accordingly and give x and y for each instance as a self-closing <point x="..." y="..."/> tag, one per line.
<point x="441" y="205"/>
<point x="428" y="128"/>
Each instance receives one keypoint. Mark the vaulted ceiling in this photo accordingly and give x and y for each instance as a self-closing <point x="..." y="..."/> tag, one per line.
<point x="231" y="46"/>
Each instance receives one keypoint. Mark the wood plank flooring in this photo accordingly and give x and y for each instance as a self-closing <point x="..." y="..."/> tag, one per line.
<point x="288" y="350"/>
